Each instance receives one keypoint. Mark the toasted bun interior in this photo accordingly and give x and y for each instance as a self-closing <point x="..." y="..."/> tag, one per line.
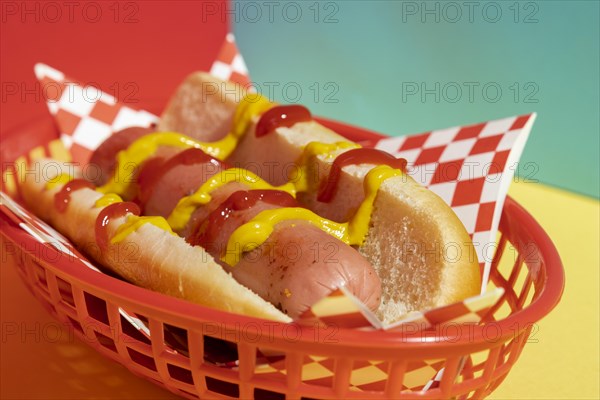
<point x="420" y="250"/>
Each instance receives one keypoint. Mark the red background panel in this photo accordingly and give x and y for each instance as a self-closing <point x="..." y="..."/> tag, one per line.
<point x="136" y="51"/>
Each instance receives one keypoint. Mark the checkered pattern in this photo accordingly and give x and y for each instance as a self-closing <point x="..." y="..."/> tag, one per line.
<point x="470" y="168"/>
<point x="54" y="149"/>
<point x="470" y="310"/>
<point x="365" y="375"/>
<point x="86" y="116"/>
<point x="437" y="379"/>
<point x="343" y="310"/>
<point x="339" y="309"/>
<point x="230" y="65"/>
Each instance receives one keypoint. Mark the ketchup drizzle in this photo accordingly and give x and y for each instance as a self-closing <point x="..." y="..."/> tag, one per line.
<point x="354" y="157"/>
<point x="237" y="201"/>
<point x="115" y="210"/>
<point x="63" y="196"/>
<point x="281" y="116"/>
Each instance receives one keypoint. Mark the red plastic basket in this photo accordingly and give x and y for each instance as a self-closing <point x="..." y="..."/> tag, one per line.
<point x="531" y="274"/>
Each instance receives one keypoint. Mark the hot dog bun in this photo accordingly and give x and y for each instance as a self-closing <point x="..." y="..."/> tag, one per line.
<point x="296" y="265"/>
<point x="416" y="243"/>
<point x="200" y="87"/>
<point x="150" y="257"/>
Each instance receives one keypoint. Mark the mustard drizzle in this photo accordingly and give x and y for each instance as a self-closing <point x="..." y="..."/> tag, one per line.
<point x="140" y="150"/>
<point x="255" y="232"/>
<point x="186" y="206"/>
<point x="61" y="179"/>
<point x="252" y="234"/>
<point x="133" y="222"/>
<point x="310" y="151"/>
<point x="182" y="213"/>
<point x="107" y="200"/>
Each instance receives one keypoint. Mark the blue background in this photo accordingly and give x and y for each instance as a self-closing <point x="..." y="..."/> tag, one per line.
<point x="371" y="63"/>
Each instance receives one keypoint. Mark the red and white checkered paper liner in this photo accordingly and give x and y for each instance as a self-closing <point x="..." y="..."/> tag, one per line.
<point x="470" y="167"/>
<point x="343" y="310"/>
<point x="366" y="375"/>
<point x="86" y="116"/>
<point x="230" y="65"/>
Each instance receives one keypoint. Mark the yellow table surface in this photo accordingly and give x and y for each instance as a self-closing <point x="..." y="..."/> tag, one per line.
<point x="40" y="359"/>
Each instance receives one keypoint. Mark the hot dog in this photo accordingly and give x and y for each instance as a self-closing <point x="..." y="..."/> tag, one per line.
<point x="298" y="265"/>
<point x="241" y="229"/>
<point x="149" y="256"/>
<point x="417" y="245"/>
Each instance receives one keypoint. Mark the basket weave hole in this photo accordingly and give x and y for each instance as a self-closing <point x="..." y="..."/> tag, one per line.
<point x="219" y="351"/>
<point x="370" y="375"/>
<point x="180" y="374"/>
<point x="268" y="394"/>
<point x="507" y="273"/>
<point x="420" y="372"/>
<point x="222" y="387"/>
<point x="96" y="308"/>
<point x="144" y="360"/>
<point x="106" y="341"/>
<point x="520" y="280"/>
<point x="509" y="259"/>
<point x="66" y="292"/>
<point x="474" y="365"/>
<point x="40" y="275"/>
<point x="132" y="333"/>
<point x="176" y="338"/>
<point x="504" y="310"/>
<point x="75" y="324"/>
<point x="529" y="296"/>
